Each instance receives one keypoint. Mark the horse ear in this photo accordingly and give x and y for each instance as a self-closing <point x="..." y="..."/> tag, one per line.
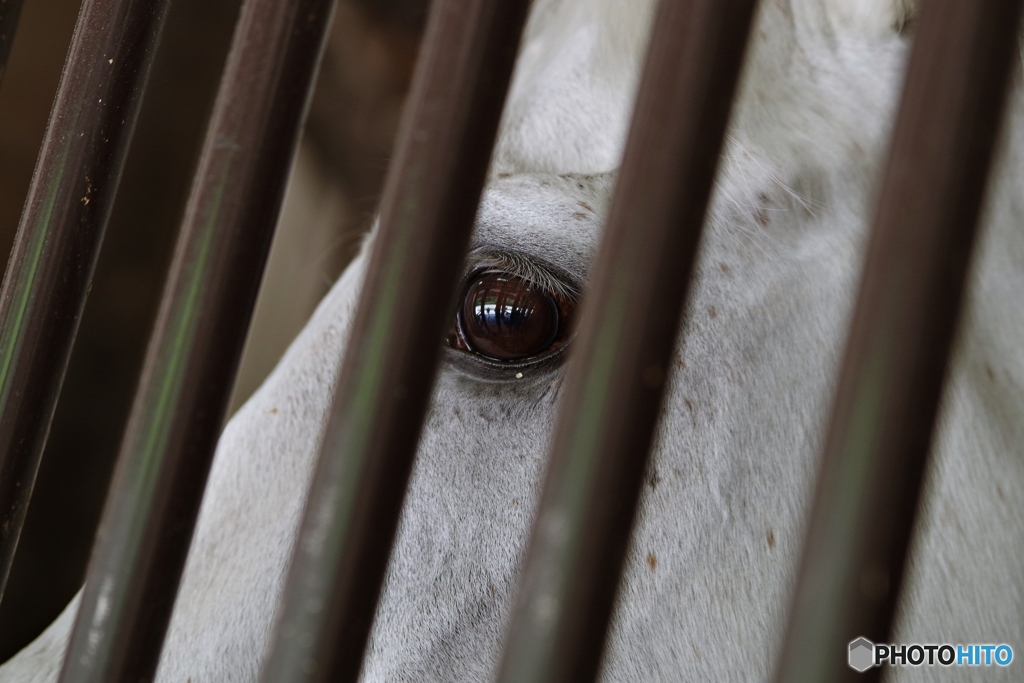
<point x="873" y="17"/>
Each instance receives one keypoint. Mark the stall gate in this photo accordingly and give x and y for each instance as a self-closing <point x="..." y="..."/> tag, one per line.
<point x="883" y="415"/>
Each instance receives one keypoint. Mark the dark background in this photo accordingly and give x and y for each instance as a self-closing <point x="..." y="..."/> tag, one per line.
<point x="348" y="137"/>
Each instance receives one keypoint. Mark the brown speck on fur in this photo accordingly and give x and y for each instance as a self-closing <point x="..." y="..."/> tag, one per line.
<point x="654" y="477"/>
<point x="652" y="561"/>
<point x="761" y="216"/>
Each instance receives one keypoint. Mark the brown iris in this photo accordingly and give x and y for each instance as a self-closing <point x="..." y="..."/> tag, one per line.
<point x="506" y="318"/>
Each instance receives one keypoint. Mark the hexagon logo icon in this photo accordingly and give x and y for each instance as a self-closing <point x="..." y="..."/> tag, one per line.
<point x="862" y="655"/>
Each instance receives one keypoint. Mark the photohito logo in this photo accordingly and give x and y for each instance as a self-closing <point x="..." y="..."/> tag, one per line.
<point x="864" y="654"/>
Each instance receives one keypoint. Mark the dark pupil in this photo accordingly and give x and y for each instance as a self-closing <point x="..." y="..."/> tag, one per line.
<point x="505" y="318"/>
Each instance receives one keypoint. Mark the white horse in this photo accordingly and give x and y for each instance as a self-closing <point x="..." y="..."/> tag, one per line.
<point x="712" y="559"/>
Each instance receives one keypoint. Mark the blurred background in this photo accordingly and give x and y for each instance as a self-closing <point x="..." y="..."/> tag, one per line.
<point x="331" y="199"/>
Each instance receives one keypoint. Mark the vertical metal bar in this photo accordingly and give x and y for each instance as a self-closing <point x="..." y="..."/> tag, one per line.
<point x="193" y="355"/>
<point x="430" y="200"/>
<point x="58" y="241"/>
<point x="10" y="12"/>
<point x="628" y="327"/>
<point x="884" y="414"/>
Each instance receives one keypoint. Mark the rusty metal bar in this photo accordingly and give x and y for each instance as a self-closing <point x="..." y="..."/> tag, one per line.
<point x="10" y="12"/>
<point x="58" y="241"/>
<point x="194" y="352"/>
<point x="903" y="326"/>
<point x="616" y="377"/>
<point x="429" y="203"/>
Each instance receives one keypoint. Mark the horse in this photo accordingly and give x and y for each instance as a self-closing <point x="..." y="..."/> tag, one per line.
<point x="713" y="556"/>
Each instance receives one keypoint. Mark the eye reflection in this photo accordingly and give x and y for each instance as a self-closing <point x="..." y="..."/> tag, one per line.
<point x="503" y="317"/>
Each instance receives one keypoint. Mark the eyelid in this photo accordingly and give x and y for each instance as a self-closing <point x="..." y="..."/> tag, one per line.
<point x="537" y="272"/>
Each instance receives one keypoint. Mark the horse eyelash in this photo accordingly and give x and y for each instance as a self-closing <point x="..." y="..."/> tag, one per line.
<point x="526" y="268"/>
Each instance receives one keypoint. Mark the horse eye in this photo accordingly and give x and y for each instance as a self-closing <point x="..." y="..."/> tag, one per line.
<point x="505" y="318"/>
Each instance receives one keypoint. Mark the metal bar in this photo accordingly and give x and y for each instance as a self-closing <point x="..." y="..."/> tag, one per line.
<point x="58" y="241"/>
<point x="10" y="12"/>
<point x="194" y="352"/>
<point x="628" y="328"/>
<point x="903" y="326"/>
<point x="430" y="200"/>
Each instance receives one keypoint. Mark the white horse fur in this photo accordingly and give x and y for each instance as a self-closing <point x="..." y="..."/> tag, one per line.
<point x="713" y="557"/>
